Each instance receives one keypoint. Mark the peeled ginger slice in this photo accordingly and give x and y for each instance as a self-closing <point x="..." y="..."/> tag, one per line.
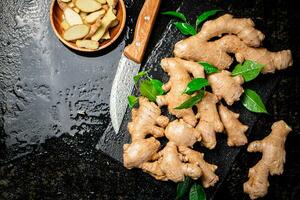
<point x="76" y="32"/>
<point x="88" y="44"/>
<point x="88" y="5"/>
<point x="72" y="17"/>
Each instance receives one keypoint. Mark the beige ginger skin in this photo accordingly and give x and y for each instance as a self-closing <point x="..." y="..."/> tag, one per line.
<point x="210" y="122"/>
<point x="272" y="161"/>
<point x="225" y="86"/>
<point x="179" y="71"/>
<point x="242" y="43"/>
<point x="235" y="130"/>
<point x="146" y="120"/>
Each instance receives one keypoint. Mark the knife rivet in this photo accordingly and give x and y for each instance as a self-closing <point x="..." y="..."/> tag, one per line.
<point x="138" y="44"/>
<point x="147" y="18"/>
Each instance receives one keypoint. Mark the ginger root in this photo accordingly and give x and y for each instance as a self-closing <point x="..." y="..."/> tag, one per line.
<point x="225" y="86"/>
<point x="179" y="71"/>
<point x="242" y="44"/>
<point x="182" y="134"/>
<point x="139" y="151"/>
<point x="234" y="128"/>
<point x="210" y="122"/>
<point x="170" y="166"/>
<point x="273" y="159"/>
<point x="208" y="178"/>
<point x="147" y="119"/>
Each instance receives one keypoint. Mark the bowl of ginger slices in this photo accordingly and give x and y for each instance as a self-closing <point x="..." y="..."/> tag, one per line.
<point x="87" y="25"/>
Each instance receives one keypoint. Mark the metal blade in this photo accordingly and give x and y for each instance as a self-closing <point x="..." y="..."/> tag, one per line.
<point x="121" y="89"/>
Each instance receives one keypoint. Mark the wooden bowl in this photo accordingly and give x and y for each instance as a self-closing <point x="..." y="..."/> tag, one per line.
<point x="56" y="17"/>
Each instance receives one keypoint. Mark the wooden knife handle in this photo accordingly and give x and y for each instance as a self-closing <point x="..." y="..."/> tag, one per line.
<point x="136" y="50"/>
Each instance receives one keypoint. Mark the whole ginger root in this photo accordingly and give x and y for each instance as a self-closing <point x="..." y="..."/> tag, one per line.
<point x="182" y="134"/>
<point x="273" y="159"/>
<point x="234" y="128"/>
<point x="225" y="86"/>
<point x="147" y="119"/>
<point x="169" y="165"/>
<point x="179" y="71"/>
<point x="210" y="122"/>
<point x="242" y="43"/>
<point x="208" y="178"/>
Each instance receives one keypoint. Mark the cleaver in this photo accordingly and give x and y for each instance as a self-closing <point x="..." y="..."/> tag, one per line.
<point x="130" y="63"/>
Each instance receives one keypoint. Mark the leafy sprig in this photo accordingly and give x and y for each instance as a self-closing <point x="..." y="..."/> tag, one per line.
<point x="196" y="191"/>
<point x="184" y="26"/>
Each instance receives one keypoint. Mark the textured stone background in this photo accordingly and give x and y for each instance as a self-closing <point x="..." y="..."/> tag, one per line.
<point x="41" y="160"/>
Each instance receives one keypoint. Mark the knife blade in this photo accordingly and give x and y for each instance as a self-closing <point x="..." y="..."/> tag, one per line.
<point x="130" y="62"/>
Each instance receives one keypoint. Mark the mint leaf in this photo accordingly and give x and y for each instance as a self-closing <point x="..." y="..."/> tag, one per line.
<point x="157" y="84"/>
<point x="132" y="101"/>
<point x="185" y="28"/>
<point x="183" y="187"/>
<point x="195" y="85"/>
<point x="252" y="101"/>
<point x="197" y="192"/>
<point x="139" y="76"/>
<point x="179" y="15"/>
<point x="204" y="16"/>
<point x="208" y="68"/>
<point x="249" y="70"/>
<point x="192" y="101"/>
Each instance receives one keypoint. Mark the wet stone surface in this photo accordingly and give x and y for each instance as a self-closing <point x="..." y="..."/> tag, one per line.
<point x="54" y="109"/>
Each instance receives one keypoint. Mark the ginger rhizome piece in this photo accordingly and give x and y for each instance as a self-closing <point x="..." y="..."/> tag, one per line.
<point x="272" y="161"/>
<point x="169" y="165"/>
<point x="177" y="160"/>
<point x="208" y="178"/>
<point x="179" y="71"/>
<point x="235" y="130"/>
<point x="182" y="134"/>
<point x="146" y="120"/>
<point x="210" y="122"/>
<point x="225" y="86"/>
<point x="242" y="43"/>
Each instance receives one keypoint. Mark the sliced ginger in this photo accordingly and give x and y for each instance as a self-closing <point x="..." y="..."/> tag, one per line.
<point x="76" y="32"/>
<point x="105" y="24"/>
<point x="210" y="122"/>
<point x="88" y="44"/>
<point x="71" y="17"/>
<point x="88" y="5"/>
<point x="242" y="44"/>
<point x="235" y="130"/>
<point x="225" y="86"/>
<point x="272" y="161"/>
<point x="179" y="71"/>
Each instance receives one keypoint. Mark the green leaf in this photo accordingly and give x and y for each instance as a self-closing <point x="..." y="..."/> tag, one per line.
<point x="204" y="16"/>
<point x="185" y="28"/>
<point x="139" y="76"/>
<point x="183" y="187"/>
<point x="149" y="89"/>
<point x="192" y="101"/>
<point x="195" y="85"/>
<point x="197" y="192"/>
<point x="132" y="101"/>
<point x="208" y="68"/>
<point x="179" y="15"/>
<point x="252" y="101"/>
<point x="249" y="70"/>
<point x="158" y="86"/>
